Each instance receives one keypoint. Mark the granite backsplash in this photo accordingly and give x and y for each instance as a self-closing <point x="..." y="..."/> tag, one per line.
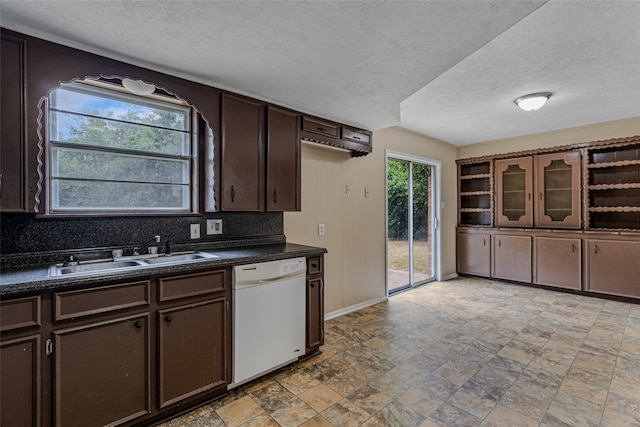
<point x="26" y="240"/>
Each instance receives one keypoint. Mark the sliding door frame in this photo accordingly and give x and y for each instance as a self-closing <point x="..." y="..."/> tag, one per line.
<point x="436" y="226"/>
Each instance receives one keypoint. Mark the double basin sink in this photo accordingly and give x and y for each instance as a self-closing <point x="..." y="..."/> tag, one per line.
<point x="117" y="265"/>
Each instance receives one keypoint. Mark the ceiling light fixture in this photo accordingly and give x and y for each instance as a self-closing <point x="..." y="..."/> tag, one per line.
<point x="138" y="87"/>
<point x="533" y="101"/>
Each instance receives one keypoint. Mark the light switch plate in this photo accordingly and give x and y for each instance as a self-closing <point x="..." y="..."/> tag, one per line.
<point x="195" y="231"/>
<point x="320" y="229"/>
<point x="214" y="226"/>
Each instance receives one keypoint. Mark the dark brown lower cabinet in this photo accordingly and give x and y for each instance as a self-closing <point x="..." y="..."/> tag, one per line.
<point x="315" y="304"/>
<point x="20" y="362"/>
<point x="512" y="258"/>
<point x="191" y="349"/>
<point x="474" y="254"/>
<point x="102" y="372"/>
<point x="613" y="267"/>
<point x="558" y="262"/>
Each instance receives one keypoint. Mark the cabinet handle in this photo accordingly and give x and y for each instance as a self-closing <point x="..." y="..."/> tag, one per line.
<point x="541" y="195"/>
<point x="499" y="243"/>
<point x="529" y="196"/>
<point x="168" y="318"/>
<point x="321" y="129"/>
<point x="0" y="185"/>
<point x="138" y="324"/>
<point x="595" y="249"/>
<point x="484" y="242"/>
<point x="233" y="193"/>
<point x="355" y="137"/>
<point x="573" y="247"/>
<point x="275" y="195"/>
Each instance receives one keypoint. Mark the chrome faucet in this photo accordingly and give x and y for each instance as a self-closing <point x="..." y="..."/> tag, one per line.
<point x="137" y="249"/>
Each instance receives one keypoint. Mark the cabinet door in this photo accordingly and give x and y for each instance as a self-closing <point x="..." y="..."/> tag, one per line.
<point x="613" y="267"/>
<point x="315" y="313"/>
<point x="558" y="262"/>
<point x="242" y="167"/>
<point x="512" y="258"/>
<point x="283" y="160"/>
<point x="558" y="190"/>
<point x="514" y="192"/>
<point x="102" y="372"/>
<point x="20" y="382"/>
<point x="474" y="254"/>
<point x="192" y="351"/>
<point x="12" y="177"/>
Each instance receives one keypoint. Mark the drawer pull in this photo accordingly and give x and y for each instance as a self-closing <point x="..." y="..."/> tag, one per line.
<point x="356" y="137"/>
<point x="321" y="129"/>
<point x="138" y="324"/>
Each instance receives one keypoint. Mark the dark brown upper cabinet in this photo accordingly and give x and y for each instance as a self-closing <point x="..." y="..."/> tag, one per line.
<point x="12" y="140"/>
<point x="242" y="184"/>
<point x="320" y="131"/>
<point x="283" y="160"/>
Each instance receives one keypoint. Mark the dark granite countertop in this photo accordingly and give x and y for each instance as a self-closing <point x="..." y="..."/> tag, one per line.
<point x="33" y="279"/>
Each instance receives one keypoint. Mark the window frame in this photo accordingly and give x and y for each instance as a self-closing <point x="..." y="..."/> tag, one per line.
<point x="193" y="158"/>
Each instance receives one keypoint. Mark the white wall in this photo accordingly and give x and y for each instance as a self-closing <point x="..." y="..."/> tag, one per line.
<point x="355" y="265"/>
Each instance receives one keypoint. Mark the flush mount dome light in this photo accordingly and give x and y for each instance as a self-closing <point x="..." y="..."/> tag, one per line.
<point x="533" y="101"/>
<point x="138" y="87"/>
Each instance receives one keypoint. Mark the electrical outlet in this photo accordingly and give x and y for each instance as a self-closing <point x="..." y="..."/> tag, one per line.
<point x="195" y="231"/>
<point x="214" y="226"/>
<point x="320" y="229"/>
<point x="366" y="192"/>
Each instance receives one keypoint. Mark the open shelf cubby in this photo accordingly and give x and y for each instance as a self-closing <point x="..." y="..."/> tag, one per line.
<point x="613" y="187"/>
<point x="476" y="194"/>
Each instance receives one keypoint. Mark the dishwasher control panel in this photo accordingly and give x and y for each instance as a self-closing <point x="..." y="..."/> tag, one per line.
<point x="291" y="266"/>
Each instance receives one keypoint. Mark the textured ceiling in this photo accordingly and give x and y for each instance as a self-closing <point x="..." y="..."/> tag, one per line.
<point x="447" y="69"/>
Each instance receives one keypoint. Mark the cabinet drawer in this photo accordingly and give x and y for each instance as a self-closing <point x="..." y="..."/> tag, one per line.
<point x="19" y="313"/>
<point x="192" y="284"/>
<point x="320" y="127"/>
<point x="85" y="302"/>
<point x="314" y="265"/>
<point x="356" y="135"/>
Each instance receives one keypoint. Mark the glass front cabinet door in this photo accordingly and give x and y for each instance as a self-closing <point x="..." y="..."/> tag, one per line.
<point x="514" y="188"/>
<point x="558" y="190"/>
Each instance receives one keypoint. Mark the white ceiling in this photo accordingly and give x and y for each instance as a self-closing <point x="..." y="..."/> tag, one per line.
<point x="446" y="69"/>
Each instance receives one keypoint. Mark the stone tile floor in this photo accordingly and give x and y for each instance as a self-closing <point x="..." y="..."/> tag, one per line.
<point x="465" y="352"/>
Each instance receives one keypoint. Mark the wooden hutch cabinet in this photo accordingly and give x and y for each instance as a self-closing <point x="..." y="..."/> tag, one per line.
<point x="565" y="217"/>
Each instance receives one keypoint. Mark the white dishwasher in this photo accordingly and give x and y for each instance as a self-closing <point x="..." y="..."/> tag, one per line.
<point x="269" y="301"/>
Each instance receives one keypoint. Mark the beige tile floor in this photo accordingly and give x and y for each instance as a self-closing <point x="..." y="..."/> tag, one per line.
<point x="465" y="352"/>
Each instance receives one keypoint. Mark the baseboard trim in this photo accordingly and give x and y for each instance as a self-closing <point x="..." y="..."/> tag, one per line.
<point x="353" y="308"/>
<point x="449" y="277"/>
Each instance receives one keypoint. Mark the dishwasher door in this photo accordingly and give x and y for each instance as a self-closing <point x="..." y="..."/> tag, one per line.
<point x="269" y="306"/>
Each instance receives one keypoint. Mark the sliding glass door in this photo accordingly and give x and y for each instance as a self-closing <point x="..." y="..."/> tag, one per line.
<point x="411" y="222"/>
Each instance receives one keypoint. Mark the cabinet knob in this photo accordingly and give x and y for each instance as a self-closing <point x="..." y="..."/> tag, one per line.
<point x="168" y="318"/>
<point x="312" y="285"/>
<point x="138" y="324"/>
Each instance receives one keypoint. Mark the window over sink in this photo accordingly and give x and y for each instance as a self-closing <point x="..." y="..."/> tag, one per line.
<point x="112" y="152"/>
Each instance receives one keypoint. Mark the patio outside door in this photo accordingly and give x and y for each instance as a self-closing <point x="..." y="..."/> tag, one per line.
<point x="410" y="223"/>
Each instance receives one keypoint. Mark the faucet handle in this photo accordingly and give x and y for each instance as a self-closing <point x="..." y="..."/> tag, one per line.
<point x="116" y="253"/>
